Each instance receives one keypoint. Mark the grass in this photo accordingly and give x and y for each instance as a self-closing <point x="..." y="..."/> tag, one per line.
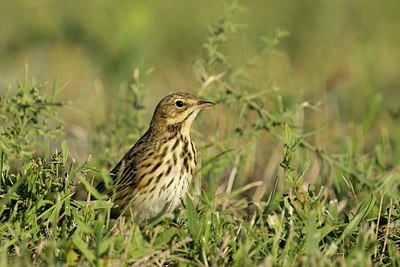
<point x="273" y="187"/>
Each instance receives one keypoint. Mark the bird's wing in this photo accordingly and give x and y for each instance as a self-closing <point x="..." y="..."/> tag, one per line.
<point x="125" y="173"/>
<point x="125" y="168"/>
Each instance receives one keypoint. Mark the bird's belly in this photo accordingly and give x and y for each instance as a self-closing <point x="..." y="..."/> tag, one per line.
<point x="165" y="197"/>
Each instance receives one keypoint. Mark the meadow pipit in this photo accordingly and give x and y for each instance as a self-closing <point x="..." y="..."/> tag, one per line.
<point x="156" y="172"/>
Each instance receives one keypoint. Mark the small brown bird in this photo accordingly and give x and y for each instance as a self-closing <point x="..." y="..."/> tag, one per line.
<point x="156" y="172"/>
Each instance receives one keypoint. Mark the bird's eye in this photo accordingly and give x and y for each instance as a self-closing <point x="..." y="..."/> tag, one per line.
<point x="179" y="103"/>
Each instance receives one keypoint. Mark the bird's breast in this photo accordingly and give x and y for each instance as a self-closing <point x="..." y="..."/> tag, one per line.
<point x="168" y="178"/>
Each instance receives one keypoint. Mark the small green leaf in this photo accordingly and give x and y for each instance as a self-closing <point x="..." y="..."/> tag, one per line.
<point x="105" y="175"/>
<point x="165" y="237"/>
<point x="64" y="150"/>
<point x="90" y="188"/>
<point x="192" y="218"/>
<point x="361" y="213"/>
<point x="288" y="134"/>
<point x="83" y="247"/>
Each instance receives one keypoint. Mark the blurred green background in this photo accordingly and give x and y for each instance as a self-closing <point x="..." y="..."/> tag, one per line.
<point x="344" y="54"/>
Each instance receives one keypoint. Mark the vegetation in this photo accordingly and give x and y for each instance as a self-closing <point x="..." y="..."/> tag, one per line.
<point x="282" y="182"/>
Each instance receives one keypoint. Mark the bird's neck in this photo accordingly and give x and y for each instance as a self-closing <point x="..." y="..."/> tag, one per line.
<point x="170" y="131"/>
<point x="171" y="128"/>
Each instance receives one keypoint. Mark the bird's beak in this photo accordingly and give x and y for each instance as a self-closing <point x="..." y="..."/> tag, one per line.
<point x="201" y="104"/>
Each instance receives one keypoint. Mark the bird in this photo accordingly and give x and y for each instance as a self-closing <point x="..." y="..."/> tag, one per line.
<point x="154" y="175"/>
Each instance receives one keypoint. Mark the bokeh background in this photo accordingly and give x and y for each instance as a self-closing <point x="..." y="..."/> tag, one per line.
<point x="343" y="54"/>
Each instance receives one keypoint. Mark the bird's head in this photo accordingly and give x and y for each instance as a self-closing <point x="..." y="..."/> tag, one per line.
<point x="177" y="111"/>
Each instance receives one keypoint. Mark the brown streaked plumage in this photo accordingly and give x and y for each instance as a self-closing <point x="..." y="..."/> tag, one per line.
<point x="156" y="172"/>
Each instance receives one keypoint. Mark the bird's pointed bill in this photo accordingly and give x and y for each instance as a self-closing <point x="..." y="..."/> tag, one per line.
<point x="202" y="104"/>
